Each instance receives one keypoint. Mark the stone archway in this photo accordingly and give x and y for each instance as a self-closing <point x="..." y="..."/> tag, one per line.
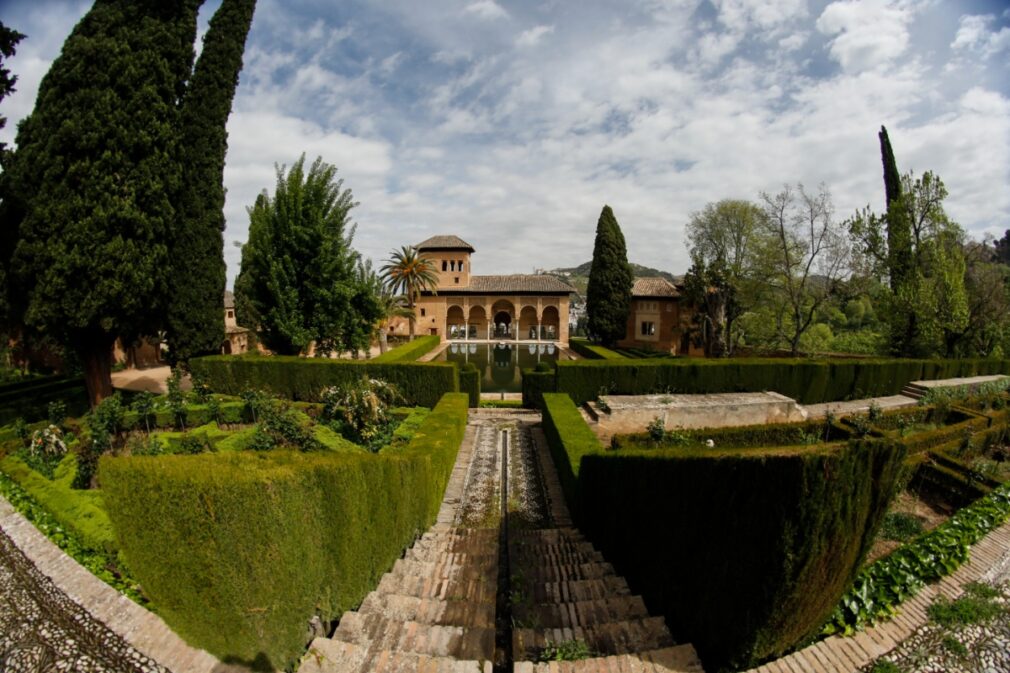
<point x="503" y="319"/>
<point x="528" y="323"/>
<point x="550" y="324"/>
<point x="477" y="323"/>
<point x="455" y="323"/>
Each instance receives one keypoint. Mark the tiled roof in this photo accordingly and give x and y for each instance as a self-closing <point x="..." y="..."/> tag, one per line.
<point x="654" y="287"/>
<point x="444" y="243"/>
<point x="513" y="284"/>
<point x="229" y="299"/>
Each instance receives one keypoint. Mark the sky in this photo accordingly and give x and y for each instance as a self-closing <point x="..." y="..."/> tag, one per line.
<point x="511" y="124"/>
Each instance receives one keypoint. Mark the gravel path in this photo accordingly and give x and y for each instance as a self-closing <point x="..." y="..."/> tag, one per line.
<point x="41" y="629"/>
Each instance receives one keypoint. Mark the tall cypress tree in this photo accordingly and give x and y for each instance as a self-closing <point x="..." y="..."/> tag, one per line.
<point x="608" y="294"/>
<point x="195" y="310"/>
<point x="94" y="174"/>
<point x="899" y="237"/>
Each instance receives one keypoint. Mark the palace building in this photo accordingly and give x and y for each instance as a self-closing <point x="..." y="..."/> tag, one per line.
<point x="660" y="319"/>
<point x="465" y="306"/>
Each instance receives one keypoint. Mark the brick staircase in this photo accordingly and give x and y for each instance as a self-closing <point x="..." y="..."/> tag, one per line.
<point x="566" y="596"/>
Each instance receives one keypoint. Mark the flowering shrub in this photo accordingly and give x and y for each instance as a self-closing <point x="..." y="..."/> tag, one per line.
<point x="361" y="410"/>
<point x="45" y="451"/>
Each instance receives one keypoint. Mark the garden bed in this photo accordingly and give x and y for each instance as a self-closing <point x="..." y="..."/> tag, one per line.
<point x="909" y="515"/>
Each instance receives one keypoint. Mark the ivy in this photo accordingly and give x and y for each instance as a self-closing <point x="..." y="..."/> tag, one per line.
<point x="882" y="586"/>
<point x="102" y="565"/>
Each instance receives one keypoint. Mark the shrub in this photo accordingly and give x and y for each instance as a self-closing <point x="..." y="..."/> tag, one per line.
<point x="411" y="350"/>
<point x="807" y="381"/>
<point x="728" y="545"/>
<point x="45" y="450"/>
<point x="297" y="378"/>
<point x="263" y="541"/>
<point x="469" y="382"/>
<point x="57" y="412"/>
<point x="362" y="410"/>
<point x="900" y="526"/>
<point x="592" y="351"/>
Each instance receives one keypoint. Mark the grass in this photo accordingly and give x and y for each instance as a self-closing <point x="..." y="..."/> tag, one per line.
<point x="884" y="666"/>
<point x="901" y="526"/>
<point x="501" y="404"/>
<point x="568" y="650"/>
<point x="976" y="606"/>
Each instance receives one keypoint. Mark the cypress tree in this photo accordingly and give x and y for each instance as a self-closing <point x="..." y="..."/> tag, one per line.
<point x="195" y="310"/>
<point x="608" y="294"/>
<point x="899" y="251"/>
<point x="94" y="174"/>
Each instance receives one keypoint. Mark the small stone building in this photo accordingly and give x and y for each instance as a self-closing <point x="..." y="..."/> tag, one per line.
<point x="470" y="307"/>
<point x="660" y="318"/>
<point x="236" y="339"/>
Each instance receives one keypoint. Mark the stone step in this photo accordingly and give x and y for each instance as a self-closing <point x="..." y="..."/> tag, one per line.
<point x="677" y="659"/>
<point x="411" y="585"/>
<point x="334" y="656"/>
<point x="623" y="637"/>
<point x="914" y="391"/>
<point x="545" y="555"/>
<point x="440" y="533"/>
<point x="454" y="546"/>
<point x="440" y="555"/>
<point x="429" y="610"/>
<point x="528" y="574"/>
<point x="579" y="613"/>
<point x="432" y="569"/>
<point x="545" y="535"/>
<point x="378" y="632"/>
<point x="571" y="591"/>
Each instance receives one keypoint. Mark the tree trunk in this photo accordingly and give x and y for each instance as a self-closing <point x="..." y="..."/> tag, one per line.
<point x="412" y="317"/>
<point x="717" y="314"/>
<point x="96" y="357"/>
<point x="383" y="340"/>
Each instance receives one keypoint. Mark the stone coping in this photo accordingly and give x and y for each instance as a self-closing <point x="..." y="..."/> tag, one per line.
<point x="142" y="629"/>
<point x="840" y="654"/>
<point x="957" y="383"/>
<point x="679" y="401"/>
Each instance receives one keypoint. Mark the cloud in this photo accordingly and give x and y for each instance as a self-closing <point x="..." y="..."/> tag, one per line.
<point x="530" y="37"/>
<point x="740" y="15"/>
<point x="486" y="9"/>
<point x="866" y="33"/>
<point x="973" y="35"/>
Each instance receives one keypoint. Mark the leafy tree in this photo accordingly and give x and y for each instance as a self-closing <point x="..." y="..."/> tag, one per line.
<point x="409" y="274"/>
<point x="391" y="306"/>
<point x="93" y="178"/>
<point x="1002" y="249"/>
<point x="608" y="292"/>
<point x="721" y="241"/>
<point x="987" y="330"/>
<point x="299" y="280"/>
<point x="803" y="258"/>
<point x="9" y="40"/>
<point x="195" y="310"/>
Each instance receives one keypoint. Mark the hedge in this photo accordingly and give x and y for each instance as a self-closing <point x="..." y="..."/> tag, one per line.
<point x="742" y="437"/>
<point x="80" y="512"/>
<point x="745" y="553"/>
<point x="30" y="399"/>
<point x="535" y="384"/>
<point x="806" y="381"/>
<point x="238" y="550"/>
<point x="592" y="351"/>
<point x="297" y="378"/>
<point x="469" y="382"/>
<point x="411" y="350"/>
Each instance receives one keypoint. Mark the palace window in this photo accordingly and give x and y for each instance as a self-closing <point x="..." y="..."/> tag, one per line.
<point x="452" y="265"/>
<point x="231" y="314"/>
<point x="457" y="280"/>
<point x="648" y="328"/>
<point x="422" y="312"/>
<point x="459" y="265"/>
<point x="445" y="265"/>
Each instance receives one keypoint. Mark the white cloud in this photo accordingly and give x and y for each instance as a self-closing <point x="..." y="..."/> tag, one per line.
<point x="763" y="14"/>
<point x="866" y="33"/>
<point x="486" y="9"/>
<point x="530" y="37"/>
<point x="973" y="35"/>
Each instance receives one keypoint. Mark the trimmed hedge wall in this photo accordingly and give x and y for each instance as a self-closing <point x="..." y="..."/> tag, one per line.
<point x="469" y="383"/>
<point x="806" y="381"/>
<point x="742" y="437"/>
<point x="238" y="550"/>
<point x="420" y="383"/>
<point x="589" y="350"/>
<point x="29" y="399"/>
<point x="745" y="553"/>
<point x="410" y="351"/>
<point x="535" y="384"/>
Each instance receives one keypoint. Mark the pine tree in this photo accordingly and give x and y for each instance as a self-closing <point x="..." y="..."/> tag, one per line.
<point x="94" y="174"/>
<point x="195" y="310"/>
<point x="299" y="281"/>
<point x="608" y="294"/>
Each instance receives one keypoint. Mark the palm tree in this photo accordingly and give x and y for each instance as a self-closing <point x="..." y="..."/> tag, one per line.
<point x="390" y="306"/>
<point x="409" y="274"/>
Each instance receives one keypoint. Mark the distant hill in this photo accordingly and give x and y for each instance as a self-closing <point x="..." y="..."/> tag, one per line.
<point x="578" y="276"/>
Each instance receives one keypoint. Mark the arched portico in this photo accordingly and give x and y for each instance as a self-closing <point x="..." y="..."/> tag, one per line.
<point x="528" y="323"/>
<point x="503" y="319"/>
<point x="550" y="323"/>
<point x="455" y="323"/>
<point x="477" y="323"/>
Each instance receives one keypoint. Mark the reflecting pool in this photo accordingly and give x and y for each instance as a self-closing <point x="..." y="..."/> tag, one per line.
<point x="500" y="364"/>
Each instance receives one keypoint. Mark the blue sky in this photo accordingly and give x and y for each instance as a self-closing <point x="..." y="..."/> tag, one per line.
<point x="512" y="123"/>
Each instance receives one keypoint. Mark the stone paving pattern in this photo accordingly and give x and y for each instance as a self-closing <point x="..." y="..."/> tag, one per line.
<point x="134" y="634"/>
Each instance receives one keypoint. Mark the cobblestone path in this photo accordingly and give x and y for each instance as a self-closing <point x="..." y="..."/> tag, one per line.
<point x="42" y="630"/>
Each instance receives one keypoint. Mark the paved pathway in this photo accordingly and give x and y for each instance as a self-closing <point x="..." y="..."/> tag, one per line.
<point x="43" y="626"/>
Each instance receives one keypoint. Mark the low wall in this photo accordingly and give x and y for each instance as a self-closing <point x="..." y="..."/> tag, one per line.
<point x="633" y="413"/>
